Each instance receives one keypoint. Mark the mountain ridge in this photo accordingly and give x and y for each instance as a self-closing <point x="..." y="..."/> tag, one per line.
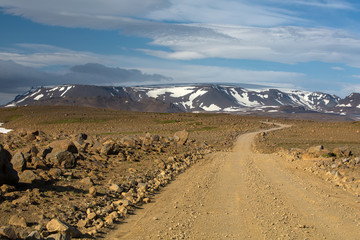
<point x="191" y="98"/>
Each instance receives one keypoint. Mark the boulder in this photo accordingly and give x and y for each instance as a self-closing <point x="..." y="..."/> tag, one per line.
<point x="316" y="149"/>
<point x="57" y="226"/>
<point x="59" y="236"/>
<point x="34" y="151"/>
<point x="17" y="220"/>
<point x="18" y="162"/>
<point x="64" y="159"/>
<point x="34" y="235"/>
<point x="7" y="173"/>
<point x="55" y="173"/>
<point x="81" y="138"/>
<point x="8" y="232"/>
<point x="63" y="145"/>
<point x="115" y="188"/>
<point x="87" y="182"/>
<point x="129" y="142"/>
<point x="181" y="137"/>
<point x="30" y="177"/>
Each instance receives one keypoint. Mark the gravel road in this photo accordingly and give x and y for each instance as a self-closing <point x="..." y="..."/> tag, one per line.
<point x="245" y="195"/>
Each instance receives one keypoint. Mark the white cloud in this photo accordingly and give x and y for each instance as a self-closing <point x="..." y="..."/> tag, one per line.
<point x="338" y="68"/>
<point x="214" y="74"/>
<point x="335" y="4"/>
<point x="223" y="12"/>
<point x="356" y="76"/>
<point x="288" y="45"/>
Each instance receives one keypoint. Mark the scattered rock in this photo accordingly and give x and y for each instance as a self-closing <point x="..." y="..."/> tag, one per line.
<point x="8" y="232"/>
<point x="59" y="236"/>
<point x="92" y="191"/>
<point x="63" y="145"/>
<point x="30" y="177"/>
<point x="17" y="220"/>
<point x="87" y="182"/>
<point x="18" y="162"/>
<point x="115" y="188"/>
<point x="55" y="173"/>
<point x="182" y="137"/>
<point x="64" y="159"/>
<point x="55" y="225"/>
<point x="316" y="149"/>
<point x="34" y="235"/>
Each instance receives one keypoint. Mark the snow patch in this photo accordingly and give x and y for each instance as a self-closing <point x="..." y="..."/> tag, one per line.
<point x="174" y="91"/>
<point x="11" y="105"/>
<point x="4" y="130"/>
<point x="68" y="88"/>
<point x="38" y="97"/>
<point x="243" y="98"/>
<point x="211" y="108"/>
<point x="344" y="105"/>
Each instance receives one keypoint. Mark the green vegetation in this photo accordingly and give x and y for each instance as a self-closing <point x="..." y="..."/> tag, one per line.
<point x="12" y="117"/>
<point x="75" y="120"/>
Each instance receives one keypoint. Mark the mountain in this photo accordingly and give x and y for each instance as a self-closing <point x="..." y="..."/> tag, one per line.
<point x="191" y="98"/>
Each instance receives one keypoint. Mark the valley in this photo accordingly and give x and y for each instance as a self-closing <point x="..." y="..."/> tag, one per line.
<point x="104" y="173"/>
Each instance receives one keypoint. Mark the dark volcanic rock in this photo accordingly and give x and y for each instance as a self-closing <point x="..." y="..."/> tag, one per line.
<point x="7" y="173"/>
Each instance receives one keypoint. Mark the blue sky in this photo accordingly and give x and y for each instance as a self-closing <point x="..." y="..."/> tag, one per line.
<point x="305" y="44"/>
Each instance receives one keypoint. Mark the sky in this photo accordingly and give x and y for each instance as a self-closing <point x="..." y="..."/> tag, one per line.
<point x="300" y="44"/>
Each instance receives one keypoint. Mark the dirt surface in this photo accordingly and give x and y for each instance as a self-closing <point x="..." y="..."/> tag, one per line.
<point x="245" y="195"/>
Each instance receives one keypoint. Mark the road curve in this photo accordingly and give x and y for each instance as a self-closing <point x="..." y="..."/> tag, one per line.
<point x="245" y="195"/>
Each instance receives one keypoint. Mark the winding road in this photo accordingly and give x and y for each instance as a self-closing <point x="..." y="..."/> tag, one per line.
<point x="245" y="195"/>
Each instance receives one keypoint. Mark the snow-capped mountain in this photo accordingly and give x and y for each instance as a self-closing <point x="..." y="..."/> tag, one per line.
<point x="187" y="98"/>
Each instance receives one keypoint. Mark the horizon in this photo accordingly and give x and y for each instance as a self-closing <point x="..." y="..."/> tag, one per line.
<point x="309" y="45"/>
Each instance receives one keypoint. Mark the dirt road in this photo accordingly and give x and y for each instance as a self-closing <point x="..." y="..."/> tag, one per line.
<point x="245" y="195"/>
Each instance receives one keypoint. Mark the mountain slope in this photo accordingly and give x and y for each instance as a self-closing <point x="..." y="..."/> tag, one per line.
<point x="188" y="98"/>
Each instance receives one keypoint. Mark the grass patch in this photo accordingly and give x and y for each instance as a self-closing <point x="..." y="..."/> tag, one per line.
<point x="75" y="120"/>
<point x="195" y="123"/>
<point x="12" y="117"/>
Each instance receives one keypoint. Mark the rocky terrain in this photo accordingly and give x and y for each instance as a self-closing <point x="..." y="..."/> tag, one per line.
<point x="76" y="172"/>
<point x="330" y="150"/>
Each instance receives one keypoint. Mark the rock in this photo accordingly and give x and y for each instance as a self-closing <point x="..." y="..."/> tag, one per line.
<point x="28" y="176"/>
<point x="64" y="159"/>
<point x="129" y="142"/>
<point x="91" y="216"/>
<point x="115" y="188"/>
<point x="92" y="191"/>
<point x="18" y="162"/>
<point x="63" y="145"/>
<point x="55" y="225"/>
<point x="34" y="235"/>
<point x="315" y="149"/>
<point x="7" y="173"/>
<point x="83" y="223"/>
<point x="59" y="236"/>
<point x="111" y="218"/>
<point x="87" y="182"/>
<point x="39" y="163"/>
<point x="34" y="151"/>
<point x="8" y="232"/>
<point x="81" y="138"/>
<point x="17" y="220"/>
<point x="55" y="173"/>
<point x="182" y="137"/>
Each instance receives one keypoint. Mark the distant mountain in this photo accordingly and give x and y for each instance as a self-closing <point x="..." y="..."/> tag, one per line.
<point x="191" y="98"/>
